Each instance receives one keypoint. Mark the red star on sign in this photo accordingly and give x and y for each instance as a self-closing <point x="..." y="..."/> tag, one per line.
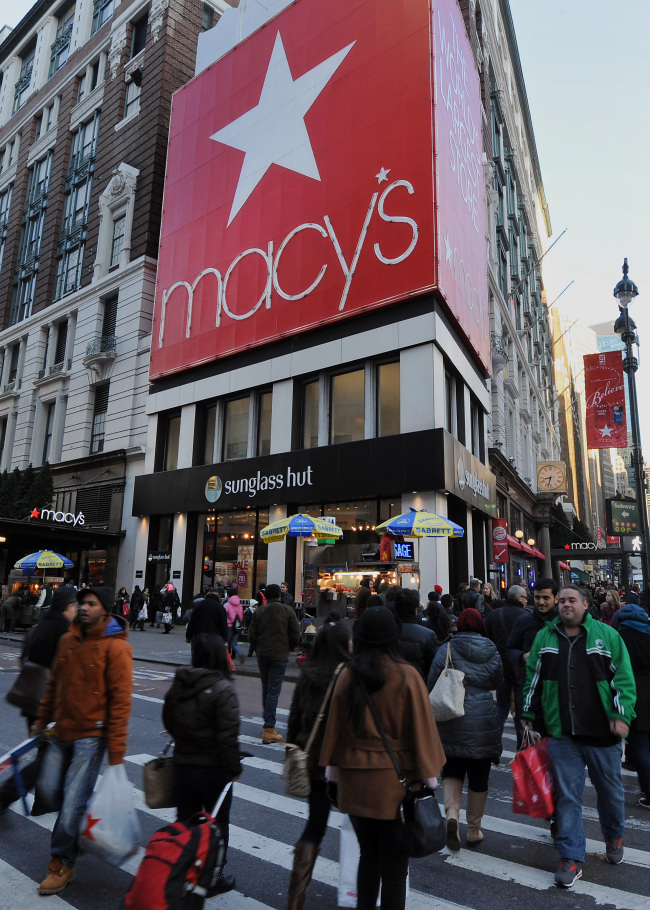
<point x="90" y="823"/>
<point x="35" y="513"/>
<point x="567" y="546"/>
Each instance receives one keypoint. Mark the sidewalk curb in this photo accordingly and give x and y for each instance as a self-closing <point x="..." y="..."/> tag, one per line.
<point x="291" y="674"/>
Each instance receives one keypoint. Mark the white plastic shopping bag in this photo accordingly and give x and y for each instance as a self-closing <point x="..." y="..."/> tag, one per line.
<point x="348" y="866"/>
<point x="110" y="827"/>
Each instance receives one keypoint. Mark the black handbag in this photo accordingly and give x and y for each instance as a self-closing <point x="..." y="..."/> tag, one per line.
<point x="28" y="688"/>
<point x="425" y="830"/>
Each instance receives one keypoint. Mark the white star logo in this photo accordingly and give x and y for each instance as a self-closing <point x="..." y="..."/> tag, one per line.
<point x="274" y="132"/>
<point x="382" y="175"/>
<point x="606" y="431"/>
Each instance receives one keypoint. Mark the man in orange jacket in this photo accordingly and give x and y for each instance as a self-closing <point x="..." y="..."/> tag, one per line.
<point x="89" y="699"/>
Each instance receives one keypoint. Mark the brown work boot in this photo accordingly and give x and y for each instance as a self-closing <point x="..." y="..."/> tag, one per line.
<point x="58" y="876"/>
<point x="270" y="736"/>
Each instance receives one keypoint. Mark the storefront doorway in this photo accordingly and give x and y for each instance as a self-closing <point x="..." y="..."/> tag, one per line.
<point x="233" y="553"/>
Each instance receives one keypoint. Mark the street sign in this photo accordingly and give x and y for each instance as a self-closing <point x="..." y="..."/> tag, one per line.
<point x="622" y="516"/>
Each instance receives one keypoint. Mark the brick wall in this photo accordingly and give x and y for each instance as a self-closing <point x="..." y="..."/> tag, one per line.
<point x="140" y="143"/>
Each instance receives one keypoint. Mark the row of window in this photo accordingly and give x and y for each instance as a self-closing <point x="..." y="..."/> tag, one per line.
<point x="76" y="212"/>
<point x="47" y="417"/>
<point x="60" y="48"/>
<point x="335" y="407"/>
<point x="54" y="341"/>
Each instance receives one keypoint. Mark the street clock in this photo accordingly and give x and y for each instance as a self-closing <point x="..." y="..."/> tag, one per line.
<point x="551" y="477"/>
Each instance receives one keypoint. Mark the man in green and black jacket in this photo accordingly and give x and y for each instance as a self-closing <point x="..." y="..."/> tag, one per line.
<point x="579" y="682"/>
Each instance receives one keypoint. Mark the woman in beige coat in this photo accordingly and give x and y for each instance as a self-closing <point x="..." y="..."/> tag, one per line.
<point x="368" y="787"/>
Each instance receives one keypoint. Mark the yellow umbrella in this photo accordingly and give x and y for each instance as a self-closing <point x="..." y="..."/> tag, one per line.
<point x="300" y="525"/>
<point x="420" y="523"/>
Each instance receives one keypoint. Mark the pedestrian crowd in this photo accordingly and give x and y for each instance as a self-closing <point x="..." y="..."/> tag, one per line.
<point x="568" y="663"/>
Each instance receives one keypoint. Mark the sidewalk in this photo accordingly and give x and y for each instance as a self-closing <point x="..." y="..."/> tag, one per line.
<point x="153" y="646"/>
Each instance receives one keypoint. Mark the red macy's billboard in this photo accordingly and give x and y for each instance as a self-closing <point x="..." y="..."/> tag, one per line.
<point x="302" y="185"/>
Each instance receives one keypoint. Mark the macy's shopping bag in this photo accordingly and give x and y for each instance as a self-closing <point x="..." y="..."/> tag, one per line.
<point x="532" y="784"/>
<point x="110" y="827"/>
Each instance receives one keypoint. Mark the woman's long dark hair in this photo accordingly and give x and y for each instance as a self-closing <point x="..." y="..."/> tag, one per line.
<point x="331" y="647"/>
<point x="209" y="653"/>
<point x="438" y="621"/>
<point x="366" y="668"/>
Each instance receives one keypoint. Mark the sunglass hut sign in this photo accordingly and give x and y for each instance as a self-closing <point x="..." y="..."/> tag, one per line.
<point x="257" y="483"/>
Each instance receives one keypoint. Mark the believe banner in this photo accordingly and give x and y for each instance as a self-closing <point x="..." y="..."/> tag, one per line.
<point x="605" y="400"/>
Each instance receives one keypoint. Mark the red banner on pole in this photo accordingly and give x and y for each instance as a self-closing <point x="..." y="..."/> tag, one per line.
<point x="605" y="400"/>
<point x="500" y="540"/>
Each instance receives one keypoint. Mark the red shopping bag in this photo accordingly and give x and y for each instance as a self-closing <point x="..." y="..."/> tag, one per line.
<point x="532" y="790"/>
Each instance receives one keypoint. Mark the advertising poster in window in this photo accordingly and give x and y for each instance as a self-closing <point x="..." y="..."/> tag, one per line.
<point x="300" y="178"/>
<point x="244" y="573"/>
<point x="605" y="400"/>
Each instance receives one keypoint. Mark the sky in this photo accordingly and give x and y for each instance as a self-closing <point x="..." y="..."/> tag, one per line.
<point x="587" y="70"/>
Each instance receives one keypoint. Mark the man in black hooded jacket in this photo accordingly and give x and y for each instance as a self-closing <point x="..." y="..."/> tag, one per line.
<point x="523" y="634"/>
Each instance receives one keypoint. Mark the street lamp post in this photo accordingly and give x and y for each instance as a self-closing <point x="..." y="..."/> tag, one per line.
<point x="625" y="292"/>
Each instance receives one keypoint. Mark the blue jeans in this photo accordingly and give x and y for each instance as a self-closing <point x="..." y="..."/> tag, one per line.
<point x="232" y="642"/>
<point x="271" y="674"/>
<point x="568" y="759"/>
<point x="639" y="749"/>
<point x="68" y="777"/>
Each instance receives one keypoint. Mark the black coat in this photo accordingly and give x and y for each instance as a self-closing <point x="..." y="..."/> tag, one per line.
<point x="638" y="646"/>
<point x="209" y="616"/>
<point x="43" y="639"/>
<point x="522" y="636"/>
<point x="201" y="712"/>
<point x="418" y="645"/>
<point x="499" y="626"/>
<point x="477" y="734"/>
<point x="307" y="698"/>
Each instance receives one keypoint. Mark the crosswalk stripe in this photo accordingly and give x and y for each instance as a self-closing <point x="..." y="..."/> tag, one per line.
<point x="280" y="854"/>
<point x="326" y="872"/>
<point x="19" y="891"/>
<point x="540" y="880"/>
<point x="299" y="809"/>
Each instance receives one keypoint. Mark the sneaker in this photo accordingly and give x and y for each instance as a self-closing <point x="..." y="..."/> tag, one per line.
<point x="614" y="851"/>
<point x="269" y="735"/>
<point x="58" y="876"/>
<point x="644" y="802"/>
<point x="568" y="873"/>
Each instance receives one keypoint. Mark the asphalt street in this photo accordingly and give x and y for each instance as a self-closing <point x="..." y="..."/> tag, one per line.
<point x="515" y="863"/>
